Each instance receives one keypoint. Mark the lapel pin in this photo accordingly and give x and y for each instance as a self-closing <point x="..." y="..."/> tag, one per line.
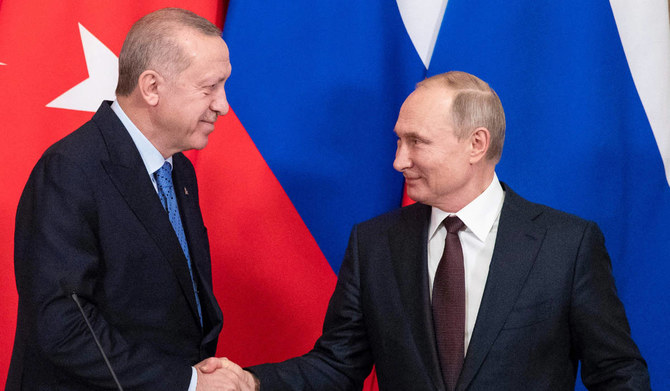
<point x="185" y="191"/>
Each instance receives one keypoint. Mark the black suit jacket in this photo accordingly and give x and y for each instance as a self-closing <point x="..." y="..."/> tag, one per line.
<point x="89" y="221"/>
<point x="549" y="302"/>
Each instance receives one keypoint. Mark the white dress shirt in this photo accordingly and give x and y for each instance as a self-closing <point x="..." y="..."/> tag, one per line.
<point x="152" y="158"/>
<point x="153" y="161"/>
<point x="478" y="238"/>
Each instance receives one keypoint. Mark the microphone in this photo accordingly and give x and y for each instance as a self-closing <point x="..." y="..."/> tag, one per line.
<point x="97" y="341"/>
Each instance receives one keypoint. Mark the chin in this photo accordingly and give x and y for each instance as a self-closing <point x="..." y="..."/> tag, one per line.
<point x="415" y="196"/>
<point x="200" y="144"/>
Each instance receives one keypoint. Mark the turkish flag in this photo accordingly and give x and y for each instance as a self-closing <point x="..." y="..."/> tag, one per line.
<point x="58" y="61"/>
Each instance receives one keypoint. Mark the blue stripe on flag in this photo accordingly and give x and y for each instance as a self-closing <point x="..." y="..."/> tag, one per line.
<point x="318" y="87"/>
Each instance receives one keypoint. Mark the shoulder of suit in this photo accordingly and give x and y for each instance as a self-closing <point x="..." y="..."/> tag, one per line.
<point x="84" y="144"/>
<point x="89" y="143"/>
<point x="540" y="213"/>
<point x="412" y="213"/>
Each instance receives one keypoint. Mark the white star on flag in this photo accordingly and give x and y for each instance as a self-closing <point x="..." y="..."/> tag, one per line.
<point x="103" y="70"/>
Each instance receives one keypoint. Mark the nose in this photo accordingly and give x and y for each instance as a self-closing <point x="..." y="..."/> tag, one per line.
<point x="402" y="160"/>
<point x="220" y="103"/>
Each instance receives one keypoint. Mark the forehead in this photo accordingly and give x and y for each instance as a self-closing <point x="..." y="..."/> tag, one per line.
<point x="195" y="44"/>
<point x="425" y="108"/>
<point x="207" y="55"/>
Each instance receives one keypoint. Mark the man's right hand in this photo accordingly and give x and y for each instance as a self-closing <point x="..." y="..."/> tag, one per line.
<point x="223" y="374"/>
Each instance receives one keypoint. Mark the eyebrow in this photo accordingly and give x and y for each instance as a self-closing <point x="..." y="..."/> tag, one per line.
<point x="213" y="77"/>
<point x="208" y="82"/>
<point x="408" y="134"/>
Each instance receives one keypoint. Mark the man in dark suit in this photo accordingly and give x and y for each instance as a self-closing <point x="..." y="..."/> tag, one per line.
<point x="110" y="214"/>
<point x="473" y="287"/>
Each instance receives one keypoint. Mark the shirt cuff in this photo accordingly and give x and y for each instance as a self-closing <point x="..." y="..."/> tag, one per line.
<point x="194" y="380"/>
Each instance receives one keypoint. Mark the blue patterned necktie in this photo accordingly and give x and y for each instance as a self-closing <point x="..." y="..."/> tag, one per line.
<point x="169" y="200"/>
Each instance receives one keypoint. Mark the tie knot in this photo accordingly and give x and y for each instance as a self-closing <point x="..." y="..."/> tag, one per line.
<point x="453" y="224"/>
<point x="164" y="173"/>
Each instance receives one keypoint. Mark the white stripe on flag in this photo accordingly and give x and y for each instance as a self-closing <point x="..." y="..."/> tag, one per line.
<point x="422" y="20"/>
<point x="644" y="29"/>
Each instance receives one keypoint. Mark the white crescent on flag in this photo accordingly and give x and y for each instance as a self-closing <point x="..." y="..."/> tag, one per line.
<point x="103" y="70"/>
<point x="644" y="29"/>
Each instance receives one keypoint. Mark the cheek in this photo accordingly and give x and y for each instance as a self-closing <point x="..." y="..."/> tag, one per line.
<point x="430" y="165"/>
<point x="438" y="174"/>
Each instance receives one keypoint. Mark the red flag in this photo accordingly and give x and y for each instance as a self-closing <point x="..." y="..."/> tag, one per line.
<point x="270" y="277"/>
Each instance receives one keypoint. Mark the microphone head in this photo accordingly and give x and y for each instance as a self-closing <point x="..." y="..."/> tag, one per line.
<point x="67" y="288"/>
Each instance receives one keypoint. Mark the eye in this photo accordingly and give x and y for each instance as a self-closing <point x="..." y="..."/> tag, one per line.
<point x="414" y="141"/>
<point x="208" y="89"/>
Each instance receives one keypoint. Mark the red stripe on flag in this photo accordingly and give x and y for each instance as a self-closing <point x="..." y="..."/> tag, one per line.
<point x="405" y="198"/>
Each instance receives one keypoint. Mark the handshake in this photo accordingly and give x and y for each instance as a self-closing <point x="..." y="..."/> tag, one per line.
<point x="222" y="374"/>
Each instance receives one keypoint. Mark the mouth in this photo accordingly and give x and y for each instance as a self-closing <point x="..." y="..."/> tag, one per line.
<point x="207" y="126"/>
<point x="210" y="118"/>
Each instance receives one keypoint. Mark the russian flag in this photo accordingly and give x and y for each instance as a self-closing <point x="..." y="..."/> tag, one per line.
<point x="317" y="87"/>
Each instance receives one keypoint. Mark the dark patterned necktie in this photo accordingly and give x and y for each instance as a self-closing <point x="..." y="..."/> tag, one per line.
<point x="449" y="305"/>
<point x="169" y="200"/>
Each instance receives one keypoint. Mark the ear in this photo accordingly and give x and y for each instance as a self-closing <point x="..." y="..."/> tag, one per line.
<point x="147" y="85"/>
<point x="480" y="140"/>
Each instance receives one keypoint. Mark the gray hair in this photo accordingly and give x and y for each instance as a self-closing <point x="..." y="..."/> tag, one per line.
<point x="475" y="104"/>
<point x="152" y="44"/>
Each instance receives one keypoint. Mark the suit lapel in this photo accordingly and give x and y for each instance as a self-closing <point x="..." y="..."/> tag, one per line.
<point x="408" y="254"/>
<point x="128" y="173"/>
<point x="517" y="244"/>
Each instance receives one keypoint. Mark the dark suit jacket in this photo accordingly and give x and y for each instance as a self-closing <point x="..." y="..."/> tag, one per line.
<point x="549" y="302"/>
<point x="89" y="221"/>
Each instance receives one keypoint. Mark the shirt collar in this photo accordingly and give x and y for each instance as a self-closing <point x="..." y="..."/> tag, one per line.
<point x="152" y="158"/>
<point x="479" y="215"/>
